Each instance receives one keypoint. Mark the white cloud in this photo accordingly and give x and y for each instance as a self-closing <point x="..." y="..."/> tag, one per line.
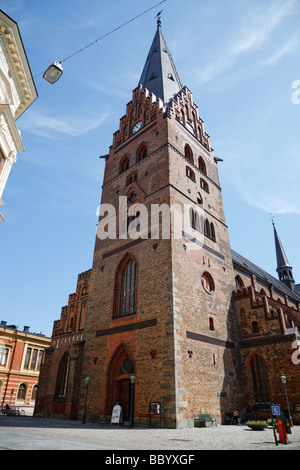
<point x="280" y="53"/>
<point x="38" y="123"/>
<point x="266" y="181"/>
<point x="281" y="196"/>
<point x="251" y="35"/>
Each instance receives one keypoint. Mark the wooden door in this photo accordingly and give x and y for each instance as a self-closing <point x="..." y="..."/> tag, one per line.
<point x="123" y="397"/>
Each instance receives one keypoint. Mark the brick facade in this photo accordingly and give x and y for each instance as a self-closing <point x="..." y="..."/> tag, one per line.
<point x="166" y="308"/>
<point x="21" y="356"/>
<point x="67" y="342"/>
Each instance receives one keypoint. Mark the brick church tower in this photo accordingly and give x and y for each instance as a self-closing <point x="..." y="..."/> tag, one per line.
<point x="160" y="292"/>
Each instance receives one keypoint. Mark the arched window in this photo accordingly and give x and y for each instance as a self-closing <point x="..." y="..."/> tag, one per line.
<point x="132" y="215"/>
<point x="259" y="379"/>
<point x="125" y="288"/>
<point x="124" y="165"/>
<point x="199" y="199"/>
<point x="182" y="117"/>
<point x="131" y="178"/>
<point x="188" y="153"/>
<point x="204" y="185"/>
<point x="189" y="173"/>
<point x="202" y="166"/>
<point x="21" y="395"/>
<point x="141" y="153"/>
<point x="193" y="218"/>
<point x="33" y="393"/>
<point x="195" y="221"/>
<point x="212" y="232"/>
<point x="199" y="133"/>
<point x="131" y="197"/>
<point x="187" y="112"/>
<point x="207" y="228"/>
<point x="62" y="377"/>
<point x="238" y="282"/>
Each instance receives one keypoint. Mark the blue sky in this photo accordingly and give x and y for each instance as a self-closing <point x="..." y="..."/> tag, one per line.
<point x="240" y="60"/>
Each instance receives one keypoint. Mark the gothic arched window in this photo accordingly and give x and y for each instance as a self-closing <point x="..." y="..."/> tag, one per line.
<point x="131" y="178"/>
<point x="202" y="166"/>
<point x="212" y="232"/>
<point x="141" y="153"/>
<point x="62" y="377"/>
<point x="204" y="185"/>
<point x="259" y="379"/>
<point x="124" y="165"/>
<point x="188" y="153"/>
<point x="194" y="219"/>
<point x="238" y="282"/>
<point x="207" y="228"/>
<point x="199" y="199"/>
<point x="189" y="173"/>
<point x="125" y="288"/>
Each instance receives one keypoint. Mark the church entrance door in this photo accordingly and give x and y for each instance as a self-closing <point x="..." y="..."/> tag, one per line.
<point x="123" y="397"/>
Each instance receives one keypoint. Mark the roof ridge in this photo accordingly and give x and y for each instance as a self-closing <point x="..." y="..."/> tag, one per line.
<point x="252" y="267"/>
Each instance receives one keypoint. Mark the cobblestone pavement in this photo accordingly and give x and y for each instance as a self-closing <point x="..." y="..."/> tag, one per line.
<point x="25" y="433"/>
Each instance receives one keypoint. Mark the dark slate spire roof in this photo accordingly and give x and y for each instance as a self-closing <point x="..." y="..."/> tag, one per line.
<point x="284" y="269"/>
<point x="160" y="76"/>
<point x="282" y="261"/>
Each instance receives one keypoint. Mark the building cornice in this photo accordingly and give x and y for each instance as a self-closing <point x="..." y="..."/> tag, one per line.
<point x="11" y="133"/>
<point x="17" y="59"/>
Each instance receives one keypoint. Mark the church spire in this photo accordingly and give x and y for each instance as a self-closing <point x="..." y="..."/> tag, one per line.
<point x="159" y="75"/>
<point x="284" y="269"/>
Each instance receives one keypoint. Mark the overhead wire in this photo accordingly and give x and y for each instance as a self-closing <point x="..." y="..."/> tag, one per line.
<point x="107" y="34"/>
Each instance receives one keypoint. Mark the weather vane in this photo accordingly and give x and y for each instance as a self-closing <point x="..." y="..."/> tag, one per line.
<point x="158" y="16"/>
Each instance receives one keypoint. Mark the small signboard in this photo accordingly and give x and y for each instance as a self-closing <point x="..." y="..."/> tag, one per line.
<point x="276" y="411"/>
<point x="279" y="425"/>
<point x="117" y="415"/>
<point x="155" y="409"/>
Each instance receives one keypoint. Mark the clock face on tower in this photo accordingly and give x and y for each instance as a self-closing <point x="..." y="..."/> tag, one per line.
<point x="137" y="127"/>
<point x="190" y="128"/>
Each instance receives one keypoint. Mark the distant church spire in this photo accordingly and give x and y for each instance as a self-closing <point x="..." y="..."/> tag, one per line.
<point x="159" y="75"/>
<point x="284" y="269"/>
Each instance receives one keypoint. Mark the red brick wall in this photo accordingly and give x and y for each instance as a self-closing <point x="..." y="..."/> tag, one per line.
<point x="178" y="359"/>
<point x="169" y="288"/>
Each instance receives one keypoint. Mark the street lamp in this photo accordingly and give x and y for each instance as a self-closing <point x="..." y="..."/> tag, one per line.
<point x="87" y="382"/>
<point x="132" y="380"/>
<point x="53" y="72"/>
<point x="283" y="381"/>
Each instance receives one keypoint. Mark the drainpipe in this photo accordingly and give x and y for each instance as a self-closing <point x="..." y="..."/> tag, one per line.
<point x="9" y="371"/>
